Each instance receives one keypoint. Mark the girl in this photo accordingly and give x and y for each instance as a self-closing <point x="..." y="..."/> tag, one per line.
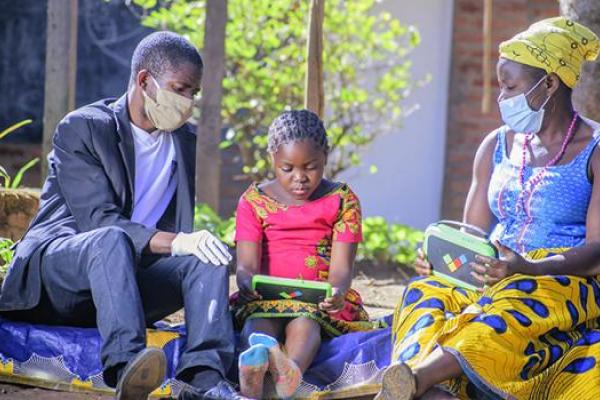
<point x="297" y="226"/>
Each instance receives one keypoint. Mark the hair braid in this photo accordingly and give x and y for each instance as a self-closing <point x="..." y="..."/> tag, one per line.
<point x="294" y="126"/>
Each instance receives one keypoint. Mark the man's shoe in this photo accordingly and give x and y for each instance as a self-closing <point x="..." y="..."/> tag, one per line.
<point x="144" y="373"/>
<point x="222" y="391"/>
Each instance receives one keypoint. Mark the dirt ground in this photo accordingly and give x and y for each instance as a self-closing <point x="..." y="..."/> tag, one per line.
<point x="380" y="287"/>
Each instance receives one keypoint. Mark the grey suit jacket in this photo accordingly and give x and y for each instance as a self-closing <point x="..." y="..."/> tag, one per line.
<point x="89" y="186"/>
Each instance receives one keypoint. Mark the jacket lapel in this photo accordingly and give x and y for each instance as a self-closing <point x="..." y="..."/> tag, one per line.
<point x="126" y="147"/>
<point x="185" y="150"/>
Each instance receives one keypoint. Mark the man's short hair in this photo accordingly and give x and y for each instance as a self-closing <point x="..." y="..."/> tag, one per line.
<point x="163" y="50"/>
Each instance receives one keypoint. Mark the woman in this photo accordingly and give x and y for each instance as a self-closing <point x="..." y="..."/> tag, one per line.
<point x="534" y="331"/>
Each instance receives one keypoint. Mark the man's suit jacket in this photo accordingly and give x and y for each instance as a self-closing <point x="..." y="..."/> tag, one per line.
<point x="89" y="186"/>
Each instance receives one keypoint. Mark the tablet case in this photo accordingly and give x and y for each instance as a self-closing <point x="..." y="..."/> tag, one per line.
<point x="272" y="288"/>
<point x="449" y="248"/>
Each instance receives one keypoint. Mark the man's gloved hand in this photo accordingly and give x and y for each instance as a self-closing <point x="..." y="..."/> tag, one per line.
<point x="203" y="245"/>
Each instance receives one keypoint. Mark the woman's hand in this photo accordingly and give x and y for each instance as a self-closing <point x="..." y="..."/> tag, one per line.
<point x="335" y="303"/>
<point x="492" y="270"/>
<point x="422" y="266"/>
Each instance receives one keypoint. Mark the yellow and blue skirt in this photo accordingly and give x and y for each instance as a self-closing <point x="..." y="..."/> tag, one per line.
<point x="527" y="337"/>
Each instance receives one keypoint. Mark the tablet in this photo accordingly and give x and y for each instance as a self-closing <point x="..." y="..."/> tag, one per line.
<point x="272" y="288"/>
<point x="450" y="250"/>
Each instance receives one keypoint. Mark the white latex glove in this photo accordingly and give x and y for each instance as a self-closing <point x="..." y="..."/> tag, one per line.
<point x="203" y="245"/>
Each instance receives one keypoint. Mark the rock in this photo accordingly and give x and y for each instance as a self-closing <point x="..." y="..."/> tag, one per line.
<point x="17" y="208"/>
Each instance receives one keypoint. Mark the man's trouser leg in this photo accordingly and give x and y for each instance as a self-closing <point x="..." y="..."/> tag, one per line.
<point x="90" y="279"/>
<point x="169" y="283"/>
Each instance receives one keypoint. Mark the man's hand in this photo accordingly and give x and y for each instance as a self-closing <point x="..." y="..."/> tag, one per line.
<point x="492" y="270"/>
<point x="335" y="303"/>
<point x="203" y="245"/>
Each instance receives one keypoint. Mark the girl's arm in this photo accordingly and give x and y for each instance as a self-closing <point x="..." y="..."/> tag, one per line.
<point x="248" y="237"/>
<point x="340" y="274"/>
<point x="347" y="233"/>
<point x="248" y="264"/>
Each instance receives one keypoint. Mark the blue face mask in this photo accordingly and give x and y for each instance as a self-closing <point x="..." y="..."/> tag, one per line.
<point x="519" y="116"/>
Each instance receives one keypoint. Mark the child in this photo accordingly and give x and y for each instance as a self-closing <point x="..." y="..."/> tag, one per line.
<point x="298" y="226"/>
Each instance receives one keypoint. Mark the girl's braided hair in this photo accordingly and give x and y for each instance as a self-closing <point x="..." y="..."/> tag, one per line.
<point x="294" y="126"/>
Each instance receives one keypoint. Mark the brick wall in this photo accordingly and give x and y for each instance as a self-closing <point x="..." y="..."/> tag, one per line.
<point x="466" y="124"/>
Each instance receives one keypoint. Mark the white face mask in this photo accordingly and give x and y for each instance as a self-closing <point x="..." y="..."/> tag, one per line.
<point x="170" y="110"/>
<point x="519" y="116"/>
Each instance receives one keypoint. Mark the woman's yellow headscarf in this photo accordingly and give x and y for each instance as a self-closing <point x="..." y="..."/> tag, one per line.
<point x="555" y="45"/>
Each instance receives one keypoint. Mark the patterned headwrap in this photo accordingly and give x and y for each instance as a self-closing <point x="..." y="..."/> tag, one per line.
<point x="555" y="45"/>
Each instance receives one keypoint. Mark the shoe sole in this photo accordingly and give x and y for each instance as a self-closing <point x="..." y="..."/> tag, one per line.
<point x="145" y="374"/>
<point x="398" y="383"/>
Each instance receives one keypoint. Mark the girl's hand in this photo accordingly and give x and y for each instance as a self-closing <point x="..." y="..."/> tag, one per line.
<point x="335" y="303"/>
<point x="247" y="295"/>
<point x="492" y="270"/>
<point x="422" y="266"/>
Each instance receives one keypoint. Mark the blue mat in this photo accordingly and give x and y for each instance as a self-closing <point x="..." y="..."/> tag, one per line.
<point x="67" y="358"/>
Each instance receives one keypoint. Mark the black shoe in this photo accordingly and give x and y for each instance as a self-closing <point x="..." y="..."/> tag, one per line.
<point x="144" y="373"/>
<point x="222" y="391"/>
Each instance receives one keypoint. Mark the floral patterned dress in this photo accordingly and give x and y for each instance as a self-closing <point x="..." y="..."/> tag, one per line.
<point x="296" y="244"/>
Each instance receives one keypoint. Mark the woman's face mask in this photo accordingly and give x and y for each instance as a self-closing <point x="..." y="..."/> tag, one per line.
<point x="519" y="116"/>
<point x="170" y="110"/>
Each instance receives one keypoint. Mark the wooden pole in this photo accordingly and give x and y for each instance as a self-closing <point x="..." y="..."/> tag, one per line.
<point x="313" y="95"/>
<point x="61" y="69"/>
<point x="208" y="154"/>
<point x="487" y="57"/>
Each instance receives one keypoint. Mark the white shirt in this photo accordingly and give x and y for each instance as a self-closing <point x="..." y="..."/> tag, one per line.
<point x="155" y="180"/>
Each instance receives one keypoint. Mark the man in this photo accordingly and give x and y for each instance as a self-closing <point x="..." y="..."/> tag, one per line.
<point x="103" y="250"/>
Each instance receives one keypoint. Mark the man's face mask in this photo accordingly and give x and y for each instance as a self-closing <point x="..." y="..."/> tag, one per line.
<point x="170" y="110"/>
<point x="519" y="116"/>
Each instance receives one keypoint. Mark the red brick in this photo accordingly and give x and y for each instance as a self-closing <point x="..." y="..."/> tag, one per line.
<point x="467" y="126"/>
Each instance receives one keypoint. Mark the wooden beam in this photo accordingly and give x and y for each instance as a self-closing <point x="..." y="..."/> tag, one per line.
<point x="486" y="99"/>
<point x="208" y="154"/>
<point x="313" y="94"/>
<point x="61" y="68"/>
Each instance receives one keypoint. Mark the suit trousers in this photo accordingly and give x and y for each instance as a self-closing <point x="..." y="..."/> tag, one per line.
<point x="93" y="279"/>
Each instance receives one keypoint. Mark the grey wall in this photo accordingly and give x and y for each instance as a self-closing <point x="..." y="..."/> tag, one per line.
<point x="408" y="185"/>
<point x="107" y="34"/>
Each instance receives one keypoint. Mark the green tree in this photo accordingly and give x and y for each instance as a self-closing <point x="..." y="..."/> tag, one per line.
<point x="366" y="68"/>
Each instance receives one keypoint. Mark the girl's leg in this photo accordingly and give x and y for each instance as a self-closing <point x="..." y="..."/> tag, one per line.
<point x="303" y="337"/>
<point x="302" y="341"/>
<point x="254" y="361"/>
<point x="273" y="327"/>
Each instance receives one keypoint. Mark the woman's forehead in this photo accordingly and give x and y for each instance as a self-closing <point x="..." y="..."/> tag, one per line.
<point x="508" y="69"/>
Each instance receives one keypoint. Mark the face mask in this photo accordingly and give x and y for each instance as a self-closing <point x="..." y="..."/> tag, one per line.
<point x="170" y="110"/>
<point x="518" y="115"/>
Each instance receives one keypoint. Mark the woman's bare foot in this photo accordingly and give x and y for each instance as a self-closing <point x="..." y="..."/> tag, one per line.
<point x="398" y="383"/>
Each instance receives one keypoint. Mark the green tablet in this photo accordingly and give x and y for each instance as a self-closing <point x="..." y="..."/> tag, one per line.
<point x="450" y="249"/>
<point x="272" y="288"/>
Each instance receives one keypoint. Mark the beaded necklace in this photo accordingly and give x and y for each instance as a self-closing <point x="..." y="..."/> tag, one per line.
<point x="535" y="180"/>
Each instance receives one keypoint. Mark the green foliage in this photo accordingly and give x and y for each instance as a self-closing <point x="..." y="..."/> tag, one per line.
<point x="6" y="255"/>
<point x="384" y="243"/>
<point x="206" y="218"/>
<point x="10" y="182"/>
<point x="366" y="70"/>
<point x="388" y="244"/>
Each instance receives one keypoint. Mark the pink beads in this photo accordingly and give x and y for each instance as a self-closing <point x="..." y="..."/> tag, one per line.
<point x="537" y="178"/>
